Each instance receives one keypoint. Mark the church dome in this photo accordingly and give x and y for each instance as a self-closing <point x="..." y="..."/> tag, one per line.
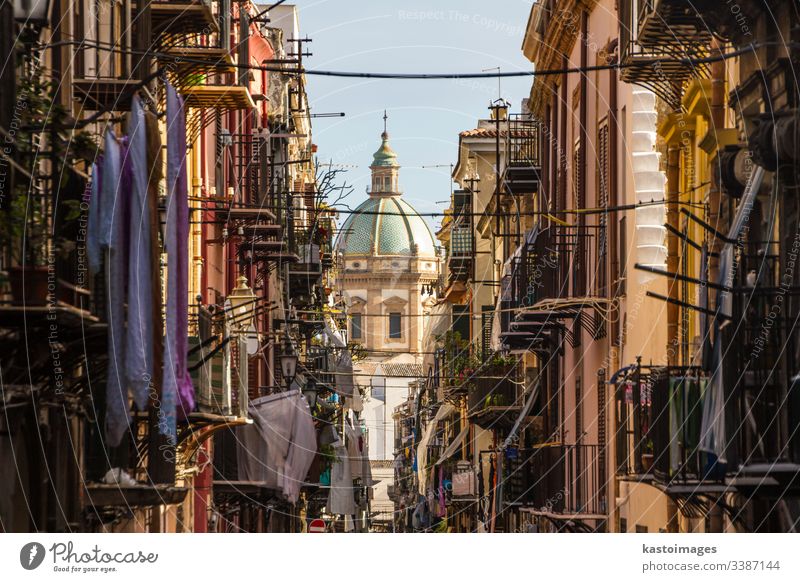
<point x="386" y="225"/>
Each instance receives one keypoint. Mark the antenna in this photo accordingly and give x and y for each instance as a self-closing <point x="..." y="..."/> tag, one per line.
<point x="385" y="124"/>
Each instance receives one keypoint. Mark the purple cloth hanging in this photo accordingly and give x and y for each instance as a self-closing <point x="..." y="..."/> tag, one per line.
<point x="112" y="236"/>
<point x="139" y="339"/>
<point x="178" y="392"/>
<point x="93" y="248"/>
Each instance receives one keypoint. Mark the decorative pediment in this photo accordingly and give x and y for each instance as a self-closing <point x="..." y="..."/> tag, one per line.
<point x="395" y="301"/>
<point x="357" y="302"/>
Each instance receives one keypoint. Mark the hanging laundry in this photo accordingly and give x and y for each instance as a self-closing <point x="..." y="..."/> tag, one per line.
<point x="354" y="448"/>
<point x="112" y="236"/>
<point x="251" y="452"/>
<point x="302" y="451"/>
<point x="139" y="339"/>
<point x="273" y="420"/>
<point x="278" y="448"/>
<point x="178" y="392"/>
<point x="93" y="247"/>
<point x="341" y="498"/>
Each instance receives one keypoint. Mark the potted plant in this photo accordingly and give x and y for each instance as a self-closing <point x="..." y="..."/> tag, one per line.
<point x="494" y="384"/>
<point x="27" y="214"/>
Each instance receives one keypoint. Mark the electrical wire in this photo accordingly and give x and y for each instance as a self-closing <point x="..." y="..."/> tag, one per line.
<point x="434" y="76"/>
<point x="545" y="213"/>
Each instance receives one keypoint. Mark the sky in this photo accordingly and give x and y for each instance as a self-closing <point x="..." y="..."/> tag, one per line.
<point x="425" y="117"/>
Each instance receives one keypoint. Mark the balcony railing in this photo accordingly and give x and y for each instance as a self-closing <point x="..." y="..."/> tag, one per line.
<point x="660" y="415"/>
<point x="558" y="479"/>
<point x="670" y="23"/>
<point x="462" y="244"/>
<point x="171" y="17"/>
<point x="523" y="150"/>
<point x="654" y="36"/>
<point x="634" y="420"/>
<point x="538" y="270"/>
<point x="767" y="402"/>
<point x="102" y="65"/>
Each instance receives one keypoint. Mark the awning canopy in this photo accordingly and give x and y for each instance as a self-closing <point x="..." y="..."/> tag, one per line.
<point x="454" y="445"/>
<point x="422" y="450"/>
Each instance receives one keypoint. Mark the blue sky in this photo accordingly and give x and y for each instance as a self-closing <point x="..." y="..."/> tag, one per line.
<point x="425" y="117"/>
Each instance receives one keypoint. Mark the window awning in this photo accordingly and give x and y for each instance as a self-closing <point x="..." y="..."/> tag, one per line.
<point x="453" y="446"/>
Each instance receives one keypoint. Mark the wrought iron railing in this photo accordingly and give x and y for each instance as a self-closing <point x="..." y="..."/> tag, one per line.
<point x="558" y="479"/>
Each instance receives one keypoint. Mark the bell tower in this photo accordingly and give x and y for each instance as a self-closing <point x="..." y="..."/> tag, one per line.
<point x="385" y="169"/>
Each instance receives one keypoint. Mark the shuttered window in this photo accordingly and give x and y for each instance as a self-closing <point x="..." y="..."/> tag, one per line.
<point x="487" y="318"/>
<point x="603" y="170"/>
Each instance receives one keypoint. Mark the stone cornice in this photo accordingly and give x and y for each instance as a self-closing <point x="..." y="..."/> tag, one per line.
<point x="558" y="40"/>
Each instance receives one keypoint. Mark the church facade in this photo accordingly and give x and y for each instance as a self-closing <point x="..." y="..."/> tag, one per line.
<point x="388" y="262"/>
<point x="387" y="257"/>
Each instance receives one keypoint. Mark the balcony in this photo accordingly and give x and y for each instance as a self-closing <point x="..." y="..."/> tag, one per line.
<point x="170" y="17"/>
<point x="103" y="69"/>
<point x="534" y="273"/>
<point x="634" y="414"/>
<point x="561" y="482"/>
<point x="493" y="400"/>
<point x="654" y="36"/>
<point x="192" y="56"/>
<point x="306" y="274"/>
<point x="660" y="415"/>
<point x="320" y="366"/>
<point x="765" y="451"/>
<point x="461" y="256"/>
<point x="670" y="23"/>
<point x="523" y="152"/>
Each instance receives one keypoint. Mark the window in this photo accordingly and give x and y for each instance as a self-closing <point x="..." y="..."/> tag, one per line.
<point x="461" y="321"/>
<point x="487" y="319"/>
<point x="356" y="326"/>
<point x="579" y="200"/>
<point x="603" y="171"/>
<point x="395" y="326"/>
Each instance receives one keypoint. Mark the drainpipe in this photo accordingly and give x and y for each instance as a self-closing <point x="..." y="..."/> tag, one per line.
<point x="717" y="124"/>
<point x="612" y="290"/>
<point x="673" y="194"/>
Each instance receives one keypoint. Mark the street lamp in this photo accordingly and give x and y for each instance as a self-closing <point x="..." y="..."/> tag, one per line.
<point x="242" y="318"/>
<point x="311" y="394"/>
<point x="288" y="368"/>
<point x="242" y="301"/>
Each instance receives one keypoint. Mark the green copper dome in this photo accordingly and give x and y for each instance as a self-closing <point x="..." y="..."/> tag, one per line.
<point x="385" y="156"/>
<point x="385" y="225"/>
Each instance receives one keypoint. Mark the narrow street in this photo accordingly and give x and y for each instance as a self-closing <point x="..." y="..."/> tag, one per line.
<point x="345" y="267"/>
